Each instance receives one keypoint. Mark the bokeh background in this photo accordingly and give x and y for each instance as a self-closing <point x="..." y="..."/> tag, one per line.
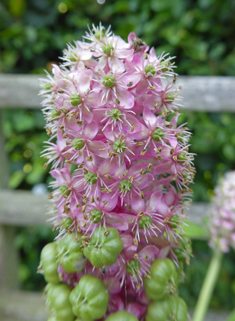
<point x="199" y="33"/>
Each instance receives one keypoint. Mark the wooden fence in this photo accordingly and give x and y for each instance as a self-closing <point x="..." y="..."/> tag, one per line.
<point x="22" y="208"/>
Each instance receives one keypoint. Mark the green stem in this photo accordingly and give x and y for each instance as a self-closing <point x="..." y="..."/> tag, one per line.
<point x="208" y="287"/>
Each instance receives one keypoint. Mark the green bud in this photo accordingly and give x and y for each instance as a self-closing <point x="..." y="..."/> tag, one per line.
<point x="66" y="222"/>
<point x="108" y="81"/>
<point x="64" y="191"/>
<point x="125" y="185"/>
<point x="47" y="86"/>
<point x="119" y="146"/>
<point x="107" y="49"/>
<point x="75" y="99"/>
<point x="95" y="216"/>
<point x="55" y="113"/>
<point x="150" y="69"/>
<point x="133" y="266"/>
<point x="91" y="178"/>
<point x="158" y="134"/>
<point x="115" y="114"/>
<point x="145" y="221"/>
<point x="78" y="143"/>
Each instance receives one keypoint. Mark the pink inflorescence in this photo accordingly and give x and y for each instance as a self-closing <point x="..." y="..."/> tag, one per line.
<point x="222" y="216"/>
<point x="119" y="160"/>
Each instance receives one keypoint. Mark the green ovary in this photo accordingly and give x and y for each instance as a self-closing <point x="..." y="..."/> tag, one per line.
<point x="54" y="113"/>
<point x="108" y="81"/>
<point x="125" y="185"/>
<point x="64" y="191"/>
<point x="119" y="146"/>
<point x="95" y="216"/>
<point x="133" y="266"/>
<point x="150" y="69"/>
<point x="145" y="222"/>
<point x="115" y="114"/>
<point x="107" y="49"/>
<point x="75" y="99"/>
<point x="158" y="134"/>
<point x="78" y="143"/>
<point x="91" y="178"/>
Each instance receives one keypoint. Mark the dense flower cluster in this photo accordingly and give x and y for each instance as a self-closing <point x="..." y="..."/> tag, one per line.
<point x="122" y="168"/>
<point x="222" y="217"/>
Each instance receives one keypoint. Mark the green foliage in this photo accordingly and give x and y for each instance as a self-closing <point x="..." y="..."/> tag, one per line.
<point x="199" y="33"/>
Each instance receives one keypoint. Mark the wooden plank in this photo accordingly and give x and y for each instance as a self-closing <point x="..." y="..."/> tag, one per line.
<point x="200" y="93"/>
<point x="30" y="306"/>
<point x="22" y="306"/>
<point x="23" y="208"/>
<point x="9" y="258"/>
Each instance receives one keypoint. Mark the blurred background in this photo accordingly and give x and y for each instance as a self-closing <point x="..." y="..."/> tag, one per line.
<point x="200" y="33"/>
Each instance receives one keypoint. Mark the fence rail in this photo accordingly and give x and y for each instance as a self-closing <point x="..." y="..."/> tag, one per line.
<point x="200" y="93"/>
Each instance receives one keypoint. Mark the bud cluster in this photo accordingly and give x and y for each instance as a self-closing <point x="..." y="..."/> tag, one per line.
<point x="222" y="216"/>
<point x="122" y="168"/>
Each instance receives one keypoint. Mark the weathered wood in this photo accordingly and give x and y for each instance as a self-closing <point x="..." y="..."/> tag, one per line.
<point x="200" y="93"/>
<point x="4" y="167"/>
<point x="22" y="208"/>
<point x="22" y="306"/>
<point x="8" y="258"/>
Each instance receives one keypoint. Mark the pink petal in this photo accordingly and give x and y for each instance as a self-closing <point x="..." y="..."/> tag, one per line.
<point x="111" y="202"/>
<point x="127" y="240"/>
<point x="116" y="64"/>
<point x="126" y="98"/>
<point x="145" y="180"/>
<point x="150" y="118"/>
<point x="135" y="169"/>
<point x="149" y="250"/>
<point x="98" y="148"/>
<point x="142" y="87"/>
<point x="136" y="309"/>
<point x="94" y="98"/>
<point x="137" y="204"/>
<point x="117" y="221"/>
<point x="154" y="200"/>
<point x="143" y="133"/>
<point x="91" y="130"/>
<point x="83" y="80"/>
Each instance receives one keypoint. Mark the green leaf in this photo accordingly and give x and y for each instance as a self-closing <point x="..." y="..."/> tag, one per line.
<point x="196" y="231"/>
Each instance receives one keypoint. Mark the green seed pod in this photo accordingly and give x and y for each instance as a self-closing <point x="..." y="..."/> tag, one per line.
<point x="89" y="298"/>
<point x="58" y="302"/>
<point x="95" y="216"/>
<point x="158" y="134"/>
<point x="75" y="99"/>
<point x="47" y="86"/>
<point x="49" y="263"/>
<point x="108" y="81"/>
<point x="163" y="281"/>
<point x="182" y="157"/>
<point x="104" y="247"/>
<point x="121" y="316"/>
<point x="70" y="254"/>
<point x="170" y="309"/>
